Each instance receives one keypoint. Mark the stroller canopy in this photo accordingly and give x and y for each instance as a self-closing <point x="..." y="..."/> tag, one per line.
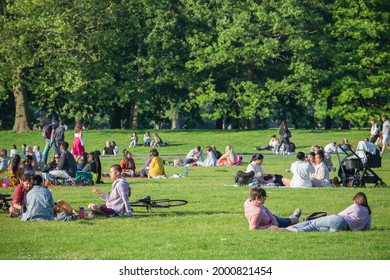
<point x="363" y="148"/>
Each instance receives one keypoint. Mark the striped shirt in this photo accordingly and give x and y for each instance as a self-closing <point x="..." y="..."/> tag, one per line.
<point x="118" y="198"/>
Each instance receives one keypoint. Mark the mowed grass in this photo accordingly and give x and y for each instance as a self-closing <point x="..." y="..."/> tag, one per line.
<point x="212" y="225"/>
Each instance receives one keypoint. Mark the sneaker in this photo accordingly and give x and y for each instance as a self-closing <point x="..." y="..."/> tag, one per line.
<point x="297" y="213"/>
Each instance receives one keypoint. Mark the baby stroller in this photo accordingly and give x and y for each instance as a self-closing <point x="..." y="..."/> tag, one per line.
<point x="356" y="169"/>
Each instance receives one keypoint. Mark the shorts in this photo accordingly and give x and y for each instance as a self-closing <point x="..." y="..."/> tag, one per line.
<point x="385" y="139"/>
<point x="107" y="210"/>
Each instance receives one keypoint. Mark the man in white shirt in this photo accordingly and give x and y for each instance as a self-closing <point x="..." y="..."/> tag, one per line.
<point x="302" y="170"/>
<point x="330" y="148"/>
<point x="194" y="155"/>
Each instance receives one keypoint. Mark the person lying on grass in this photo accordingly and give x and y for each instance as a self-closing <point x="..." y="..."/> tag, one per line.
<point x="259" y="217"/>
<point x="355" y="217"/>
<point x="117" y="200"/>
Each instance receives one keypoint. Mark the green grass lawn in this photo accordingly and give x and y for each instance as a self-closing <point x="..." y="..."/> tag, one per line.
<point x="212" y="225"/>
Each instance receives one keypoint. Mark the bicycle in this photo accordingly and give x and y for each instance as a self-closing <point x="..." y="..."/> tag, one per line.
<point x="148" y="203"/>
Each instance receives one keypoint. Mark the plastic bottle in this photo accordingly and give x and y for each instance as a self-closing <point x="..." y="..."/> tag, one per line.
<point x="81" y="212"/>
<point x="186" y="171"/>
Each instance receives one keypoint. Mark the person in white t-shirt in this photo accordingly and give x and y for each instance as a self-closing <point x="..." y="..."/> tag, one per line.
<point x="330" y="148"/>
<point x="302" y="170"/>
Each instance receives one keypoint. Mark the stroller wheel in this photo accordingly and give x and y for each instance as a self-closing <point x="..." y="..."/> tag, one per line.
<point x="356" y="184"/>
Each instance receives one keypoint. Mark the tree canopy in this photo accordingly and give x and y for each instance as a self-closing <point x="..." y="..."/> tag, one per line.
<point x="140" y="63"/>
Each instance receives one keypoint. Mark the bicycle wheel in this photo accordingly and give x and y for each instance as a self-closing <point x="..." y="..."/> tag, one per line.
<point x="166" y="203"/>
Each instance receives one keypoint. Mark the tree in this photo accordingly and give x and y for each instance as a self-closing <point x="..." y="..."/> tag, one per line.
<point x="360" y="60"/>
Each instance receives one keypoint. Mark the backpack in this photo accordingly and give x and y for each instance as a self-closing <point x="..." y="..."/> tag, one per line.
<point x="46" y="131"/>
<point x="243" y="178"/>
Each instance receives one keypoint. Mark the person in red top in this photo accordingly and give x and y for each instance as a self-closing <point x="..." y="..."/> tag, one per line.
<point x="20" y="193"/>
<point x="127" y="164"/>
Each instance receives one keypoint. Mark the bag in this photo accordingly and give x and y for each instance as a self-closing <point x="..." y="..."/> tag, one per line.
<point x="315" y="215"/>
<point x="64" y="206"/>
<point x="46" y="131"/>
<point x="6" y="182"/>
<point x="82" y="141"/>
<point x="379" y="135"/>
<point x="243" y="178"/>
<point x="83" y="174"/>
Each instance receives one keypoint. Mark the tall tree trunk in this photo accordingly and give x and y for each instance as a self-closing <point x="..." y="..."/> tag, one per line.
<point x="345" y="124"/>
<point x="254" y="123"/>
<point x="115" y="116"/>
<point x="175" y="115"/>
<point x="135" y="114"/>
<point x="219" y="123"/>
<point x="21" y="124"/>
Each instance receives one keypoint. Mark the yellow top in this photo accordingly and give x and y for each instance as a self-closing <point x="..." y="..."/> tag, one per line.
<point x="156" y="167"/>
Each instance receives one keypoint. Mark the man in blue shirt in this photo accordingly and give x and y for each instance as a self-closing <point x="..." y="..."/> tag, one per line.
<point x="39" y="203"/>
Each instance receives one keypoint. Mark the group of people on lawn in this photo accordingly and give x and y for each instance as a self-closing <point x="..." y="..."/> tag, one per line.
<point x="33" y="201"/>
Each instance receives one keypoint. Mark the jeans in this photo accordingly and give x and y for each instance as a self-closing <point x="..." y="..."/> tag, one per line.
<point x="47" y="150"/>
<point x="283" y="222"/>
<point x="61" y="174"/>
<point x="330" y="223"/>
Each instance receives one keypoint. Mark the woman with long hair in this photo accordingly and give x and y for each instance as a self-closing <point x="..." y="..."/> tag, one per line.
<point x="127" y="164"/>
<point x="284" y="138"/>
<point x="355" y="217"/>
<point x="15" y="171"/>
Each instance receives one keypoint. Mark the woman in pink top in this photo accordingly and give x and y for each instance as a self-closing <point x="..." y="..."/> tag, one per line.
<point x="259" y="217"/>
<point x="355" y="217"/>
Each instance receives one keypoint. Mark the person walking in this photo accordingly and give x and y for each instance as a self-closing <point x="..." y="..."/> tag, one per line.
<point x="48" y="132"/>
<point x="385" y="133"/>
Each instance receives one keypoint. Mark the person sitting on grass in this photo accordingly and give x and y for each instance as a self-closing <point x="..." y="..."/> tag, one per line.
<point x="4" y="161"/>
<point x="211" y="159"/>
<point x="157" y="141"/>
<point x="67" y="165"/>
<point x="193" y="156"/>
<point x="302" y="170"/>
<point x="147" y="139"/>
<point x="228" y="158"/>
<point x="117" y="200"/>
<point x="355" y="217"/>
<point x="259" y="217"/>
<point x="18" y="199"/>
<point x="39" y="202"/>
<point x="52" y="165"/>
<point x="272" y="145"/>
<point x="15" y="170"/>
<point x="320" y="178"/>
<point x="127" y="164"/>
<point x="133" y="140"/>
<point x="260" y="177"/>
<point x="91" y="164"/>
<point x="108" y="149"/>
<point x="156" y="166"/>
